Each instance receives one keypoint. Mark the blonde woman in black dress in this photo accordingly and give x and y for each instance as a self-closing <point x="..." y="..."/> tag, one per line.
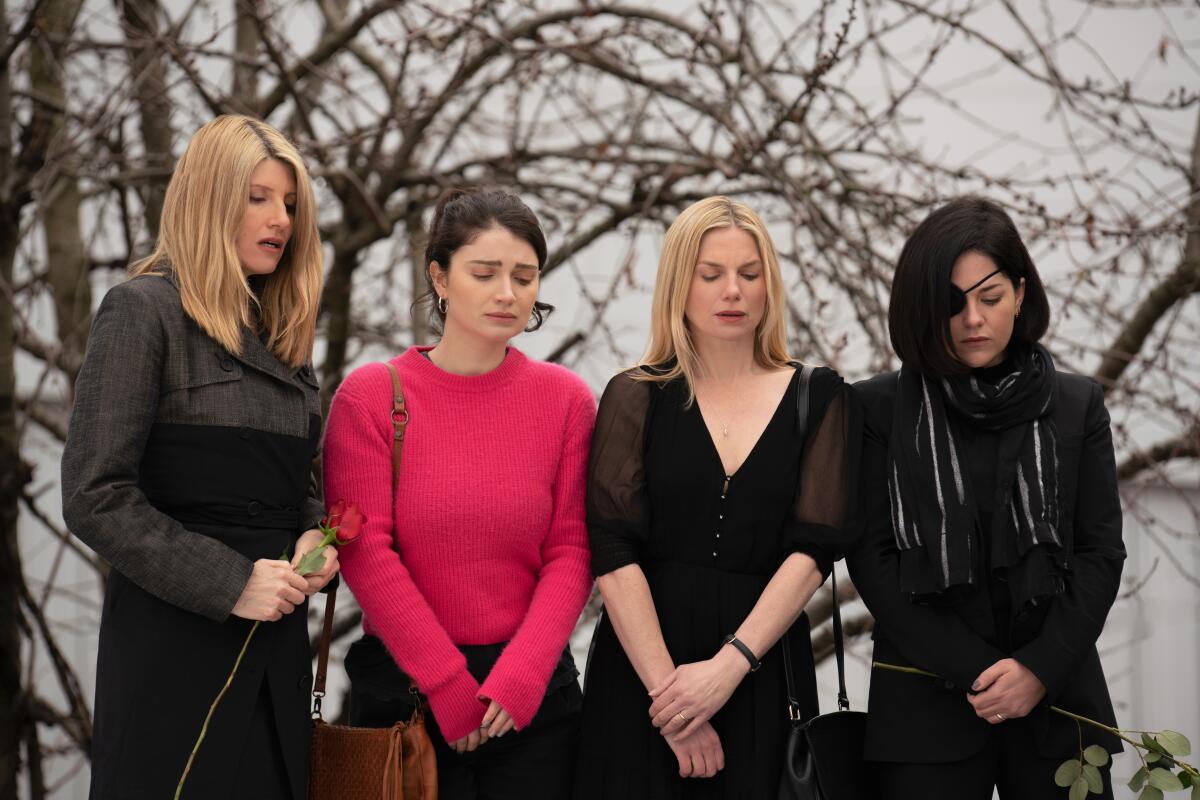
<point x="712" y="522"/>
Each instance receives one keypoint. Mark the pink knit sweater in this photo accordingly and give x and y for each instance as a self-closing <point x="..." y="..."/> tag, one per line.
<point x="486" y="541"/>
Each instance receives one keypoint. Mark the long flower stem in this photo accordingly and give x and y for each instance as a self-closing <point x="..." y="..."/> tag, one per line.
<point x="1077" y="717"/>
<point x="213" y="708"/>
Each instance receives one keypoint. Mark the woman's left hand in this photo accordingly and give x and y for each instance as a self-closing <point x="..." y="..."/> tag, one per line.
<point x="496" y="721"/>
<point x="1005" y="690"/>
<point x="692" y="693"/>
<point x="317" y="580"/>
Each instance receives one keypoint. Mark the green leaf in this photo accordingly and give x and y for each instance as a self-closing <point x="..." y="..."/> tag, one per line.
<point x="1174" y="743"/>
<point x="1096" y="755"/>
<point x="1079" y="789"/>
<point x="1139" y="779"/>
<point x="1095" y="782"/>
<point x="1150" y="743"/>
<point x="312" y="561"/>
<point x="1185" y="779"/>
<point x="1068" y="772"/>
<point x="1152" y="756"/>
<point x="1150" y="793"/>
<point x="1162" y="779"/>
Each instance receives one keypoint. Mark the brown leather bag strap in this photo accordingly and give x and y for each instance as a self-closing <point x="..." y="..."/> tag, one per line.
<point x="318" y="691"/>
<point x="399" y="423"/>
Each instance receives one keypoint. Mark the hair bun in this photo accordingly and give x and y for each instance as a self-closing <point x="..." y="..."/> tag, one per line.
<point x="447" y="197"/>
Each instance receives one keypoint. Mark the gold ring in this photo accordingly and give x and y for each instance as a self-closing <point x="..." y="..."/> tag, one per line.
<point x="682" y="717"/>
<point x="999" y="716"/>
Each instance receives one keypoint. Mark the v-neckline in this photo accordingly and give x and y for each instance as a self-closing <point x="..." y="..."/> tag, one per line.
<point x="712" y="443"/>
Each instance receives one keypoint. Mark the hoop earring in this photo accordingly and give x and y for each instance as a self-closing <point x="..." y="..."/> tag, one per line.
<point x="441" y="305"/>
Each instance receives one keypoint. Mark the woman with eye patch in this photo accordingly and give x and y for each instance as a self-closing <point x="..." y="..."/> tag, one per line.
<point x="992" y="547"/>
<point x="473" y="567"/>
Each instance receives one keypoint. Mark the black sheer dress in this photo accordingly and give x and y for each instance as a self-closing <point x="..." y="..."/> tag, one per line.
<point x="708" y="543"/>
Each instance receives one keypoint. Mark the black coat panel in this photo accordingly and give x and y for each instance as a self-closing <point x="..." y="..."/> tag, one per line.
<point x="183" y="465"/>
<point x="921" y="720"/>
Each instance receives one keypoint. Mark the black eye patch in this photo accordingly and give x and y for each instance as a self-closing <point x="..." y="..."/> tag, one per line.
<point x="958" y="297"/>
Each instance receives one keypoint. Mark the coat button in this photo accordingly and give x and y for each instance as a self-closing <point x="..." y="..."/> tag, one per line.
<point x="949" y="686"/>
<point x="244" y="432"/>
<point x="304" y="682"/>
<point x="253" y="507"/>
<point x="227" y="364"/>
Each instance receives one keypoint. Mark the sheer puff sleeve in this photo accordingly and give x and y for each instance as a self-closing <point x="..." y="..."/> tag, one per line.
<point x="822" y="522"/>
<point x="618" y="511"/>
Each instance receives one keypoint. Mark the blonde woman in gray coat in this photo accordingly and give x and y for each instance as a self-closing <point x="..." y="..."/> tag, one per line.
<point x="187" y="467"/>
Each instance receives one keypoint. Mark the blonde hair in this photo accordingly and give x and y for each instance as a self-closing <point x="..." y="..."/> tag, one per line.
<point x="202" y="214"/>
<point x="670" y="352"/>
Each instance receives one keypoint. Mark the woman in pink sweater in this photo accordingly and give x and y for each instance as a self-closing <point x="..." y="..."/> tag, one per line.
<point x="472" y="578"/>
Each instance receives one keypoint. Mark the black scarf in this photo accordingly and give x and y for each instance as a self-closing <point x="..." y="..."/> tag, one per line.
<point x="933" y="508"/>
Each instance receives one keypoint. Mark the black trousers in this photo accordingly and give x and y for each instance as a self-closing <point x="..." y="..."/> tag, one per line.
<point x="1008" y="762"/>
<point x="535" y="762"/>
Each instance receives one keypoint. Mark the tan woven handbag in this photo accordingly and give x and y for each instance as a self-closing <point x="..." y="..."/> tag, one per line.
<point x="346" y="763"/>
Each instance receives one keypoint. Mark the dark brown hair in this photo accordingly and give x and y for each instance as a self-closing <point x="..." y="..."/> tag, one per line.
<point x="919" y="312"/>
<point x="462" y="214"/>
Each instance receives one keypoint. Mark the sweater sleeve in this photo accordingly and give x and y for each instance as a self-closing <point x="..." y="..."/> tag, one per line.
<point x="518" y="680"/>
<point x="116" y="401"/>
<point x="358" y="468"/>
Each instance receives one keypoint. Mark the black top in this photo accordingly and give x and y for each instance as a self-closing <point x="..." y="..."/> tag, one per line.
<point x="658" y="496"/>
<point x="652" y="451"/>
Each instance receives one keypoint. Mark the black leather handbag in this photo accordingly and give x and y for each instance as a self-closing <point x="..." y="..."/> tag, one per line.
<point x="823" y="759"/>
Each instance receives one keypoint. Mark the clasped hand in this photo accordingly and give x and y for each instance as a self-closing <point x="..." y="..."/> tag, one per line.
<point x="1005" y="690"/>
<point x="275" y="589"/>
<point x="496" y="723"/>
<point x="692" y="693"/>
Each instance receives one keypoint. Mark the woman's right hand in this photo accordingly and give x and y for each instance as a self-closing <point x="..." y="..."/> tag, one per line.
<point x="274" y="589"/>
<point x="469" y="742"/>
<point x="700" y="754"/>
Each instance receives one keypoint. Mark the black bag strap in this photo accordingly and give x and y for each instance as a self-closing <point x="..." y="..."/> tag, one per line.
<point x="802" y="405"/>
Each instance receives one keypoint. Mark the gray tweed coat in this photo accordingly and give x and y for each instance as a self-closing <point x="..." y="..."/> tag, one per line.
<point x="183" y="465"/>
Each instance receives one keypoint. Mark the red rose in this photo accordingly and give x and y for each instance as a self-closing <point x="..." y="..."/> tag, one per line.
<point x="333" y="517"/>
<point x="350" y="523"/>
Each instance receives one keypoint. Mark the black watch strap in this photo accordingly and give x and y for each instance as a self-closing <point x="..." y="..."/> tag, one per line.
<point x="746" y="651"/>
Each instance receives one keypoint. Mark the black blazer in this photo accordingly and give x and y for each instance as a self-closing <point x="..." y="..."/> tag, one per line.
<point x="921" y="720"/>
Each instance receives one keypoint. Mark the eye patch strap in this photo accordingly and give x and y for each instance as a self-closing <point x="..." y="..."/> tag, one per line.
<point x="958" y="297"/>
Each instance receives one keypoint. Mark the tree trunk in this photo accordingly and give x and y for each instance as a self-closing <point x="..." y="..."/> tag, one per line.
<point x="335" y="304"/>
<point x="244" y="96"/>
<point x="11" y="705"/>
<point x="65" y="251"/>
<point x="422" y="331"/>
<point x="154" y="106"/>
